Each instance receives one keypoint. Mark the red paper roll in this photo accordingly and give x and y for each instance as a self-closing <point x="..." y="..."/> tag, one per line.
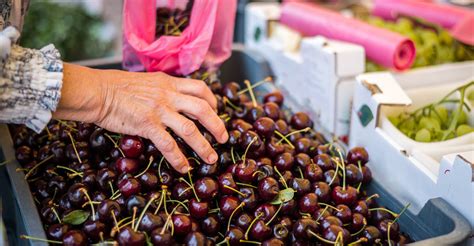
<point x="384" y="47"/>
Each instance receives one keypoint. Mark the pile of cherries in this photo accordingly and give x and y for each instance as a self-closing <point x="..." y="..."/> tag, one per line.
<point x="172" y="22"/>
<point x="276" y="182"/>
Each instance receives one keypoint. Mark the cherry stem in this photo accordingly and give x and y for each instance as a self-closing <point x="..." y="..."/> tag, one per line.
<point x="74" y="147"/>
<point x="56" y="214"/>
<point x="215" y="210"/>
<point x="195" y="159"/>
<point x="267" y="79"/>
<point x="70" y="170"/>
<point x="115" y="144"/>
<point x="371" y="197"/>
<point x="147" y="167"/>
<point x="159" y="169"/>
<point x="321" y="238"/>
<point x="343" y="170"/>
<point x="234" y="190"/>
<point x="67" y="125"/>
<point x="250" y="90"/>
<point x="274" y="215"/>
<point x="251" y="242"/>
<point x="28" y="174"/>
<point x="168" y="221"/>
<point x="361" y="240"/>
<point x="40" y="239"/>
<point x="359" y="164"/>
<point x="153" y="198"/>
<point x="182" y="203"/>
<point x="90" y="202"/>
<point x="135" y="209"/>
<point x="232" y="214"/>
<point x="386" y="210"/>
<point x="301" y="173"/>
<point x="358" y="186"/>
<point x="115" y="220"/>
<point x="248" y="147"/>
<point x="330" y="206"/>
<point x="294" y="132"/>
<point x="284" y="138"/>
<point x="251" y="224"/>
<point x="227" y="101"/>
<point x="182" y="192"/>
<point x="244" y="184"/>
<point x="190" y="186"/>
<point x="123" y="220"/>
<point x="282" y="180"/>
<point x="257" y="172"/>
<point x="339" y="235"/>
<point x="388" y="233"/>
<point x="162" y="197"/>
<point x="5" y="162"/>
<point x="361" y="229"/>
<point x="226" y="241"/>
<point x="321" y="214"/>
<point x="232" y="154"/>
<point x="335" y="175"/>
<point x="401" y="212"/>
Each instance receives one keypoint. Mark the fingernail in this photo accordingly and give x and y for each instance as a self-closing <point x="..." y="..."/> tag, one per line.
<point x="212" y="158"/>
<point x="185" y="169"/>
<point x="225" y="137"/>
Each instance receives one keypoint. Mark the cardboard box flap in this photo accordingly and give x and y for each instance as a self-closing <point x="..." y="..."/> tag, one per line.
<point x="384" y="88"/>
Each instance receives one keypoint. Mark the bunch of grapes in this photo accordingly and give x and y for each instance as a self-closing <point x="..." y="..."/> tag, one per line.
<point x="434" y="45"/>
<point x="436" y="121"/>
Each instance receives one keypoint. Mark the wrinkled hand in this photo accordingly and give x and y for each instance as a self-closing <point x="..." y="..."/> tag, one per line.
<point x="145" y="104"/>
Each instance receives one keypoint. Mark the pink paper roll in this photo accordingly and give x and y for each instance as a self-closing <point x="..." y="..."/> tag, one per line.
<point x="382" y="46"/>
<point x="442" y="14"/>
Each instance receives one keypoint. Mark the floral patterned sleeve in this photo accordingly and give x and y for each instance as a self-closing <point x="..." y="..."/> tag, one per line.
<point x="30" y="81"/>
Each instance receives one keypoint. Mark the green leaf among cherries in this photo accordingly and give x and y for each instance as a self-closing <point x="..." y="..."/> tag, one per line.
<point x="284" y="196"/>
<point x="76" y="217"/>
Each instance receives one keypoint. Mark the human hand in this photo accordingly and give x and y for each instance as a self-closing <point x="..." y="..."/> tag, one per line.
<point x="145" y="104"/>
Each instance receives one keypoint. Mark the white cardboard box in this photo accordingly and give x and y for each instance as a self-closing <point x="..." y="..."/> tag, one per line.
<point x="412" y="171"/>
<point x="318" y="74"/>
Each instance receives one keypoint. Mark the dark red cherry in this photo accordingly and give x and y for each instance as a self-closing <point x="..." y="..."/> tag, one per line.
<point x="394" y="229"/>
<point x="149" y="181"/>
<point x="302" y="160"/>
<point x="366" y="175"/>
<point x="132" y="146"/>
<point x="234" y="235"/>
<point x="24" y="154"/>
<point x="357" y="154"/>
<point x="301" y="186"/>
<point x="266" y="211"/>
<point x="302" y="145"/>
<point x="234" y="137"/>
<point x="288" y="207"/>
<point x="149" y="222"/>
<point x="247" y="138"/>
<point x="332" y="178"/>
<point x="284" y="161"/>
<point x="264" y="126"/>
<point x="133" y="202"/>
<point x="82" y="150"/>
<point x="353" y="175"/>
<point x="260" y="231"/>
<point x="197" y="209"/>
<point x="244" y="220"/>
<point x="159" y="238"/>
<point x="195" y="239"/>
<point x="74" y="238"/>
<point x="206" y="188"/>
<point x="245" y="170"/>
<point x="249" y="197"/>
<point x="372" y="234"/>
<point x="344" y="213"/>
<point x="282" y="127"/>
<point x="106" y="208"/>
<point x="333" y="231"/>
<point x="230" y="91"/>
<point x="272" y="110"/>
<point x="302" y="227"/>
<point x="181" y="191"/>
<point x="228" y="204"/>
<point x="99" y="142"/>
<point x="313" y="173"/>
<point x="127" y="165"/>
<point x="76" y="194"/>
<point x="57" y="231"/>
<point x="105" y="177"/>
<point x="275" y="97"/>
<point x="273" y="242"/>
<point x="255" y="113"/>
<point x="181" y="223"/>
<point x="301" y="120"/>
<point x="224" y="180"/>
<point x="308" y="203"/>
<point x="273" y="148"/>
<point x="129" y="187"/>
<point x="210" y="225"/>
<point x="330" y="220"/>
<point x="361" y="208"/>
<point x="268" y="188"/>
<point x="346" y="196"/>
<point x="93" y="229"/>
<point x="281" y="231"/>
<point x="357" y="223"/>
<point x="324" y="162"/>
<point x="128" y="236"/>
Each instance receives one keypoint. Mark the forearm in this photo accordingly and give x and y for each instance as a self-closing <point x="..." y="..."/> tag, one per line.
<point x="82" y="94"/>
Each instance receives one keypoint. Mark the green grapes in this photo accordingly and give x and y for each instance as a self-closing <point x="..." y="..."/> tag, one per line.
<point x="436" y="122"/>
<point x="433" y="44"/>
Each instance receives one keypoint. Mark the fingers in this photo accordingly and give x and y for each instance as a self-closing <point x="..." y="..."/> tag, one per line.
<point x="165" y="143"/>
<point x="187" y="130"/>
<point x="202" y="111"/>
<point x="196" y="88"/>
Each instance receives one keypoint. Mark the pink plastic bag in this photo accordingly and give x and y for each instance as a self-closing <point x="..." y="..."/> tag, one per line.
<point x="206" y="41"/>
